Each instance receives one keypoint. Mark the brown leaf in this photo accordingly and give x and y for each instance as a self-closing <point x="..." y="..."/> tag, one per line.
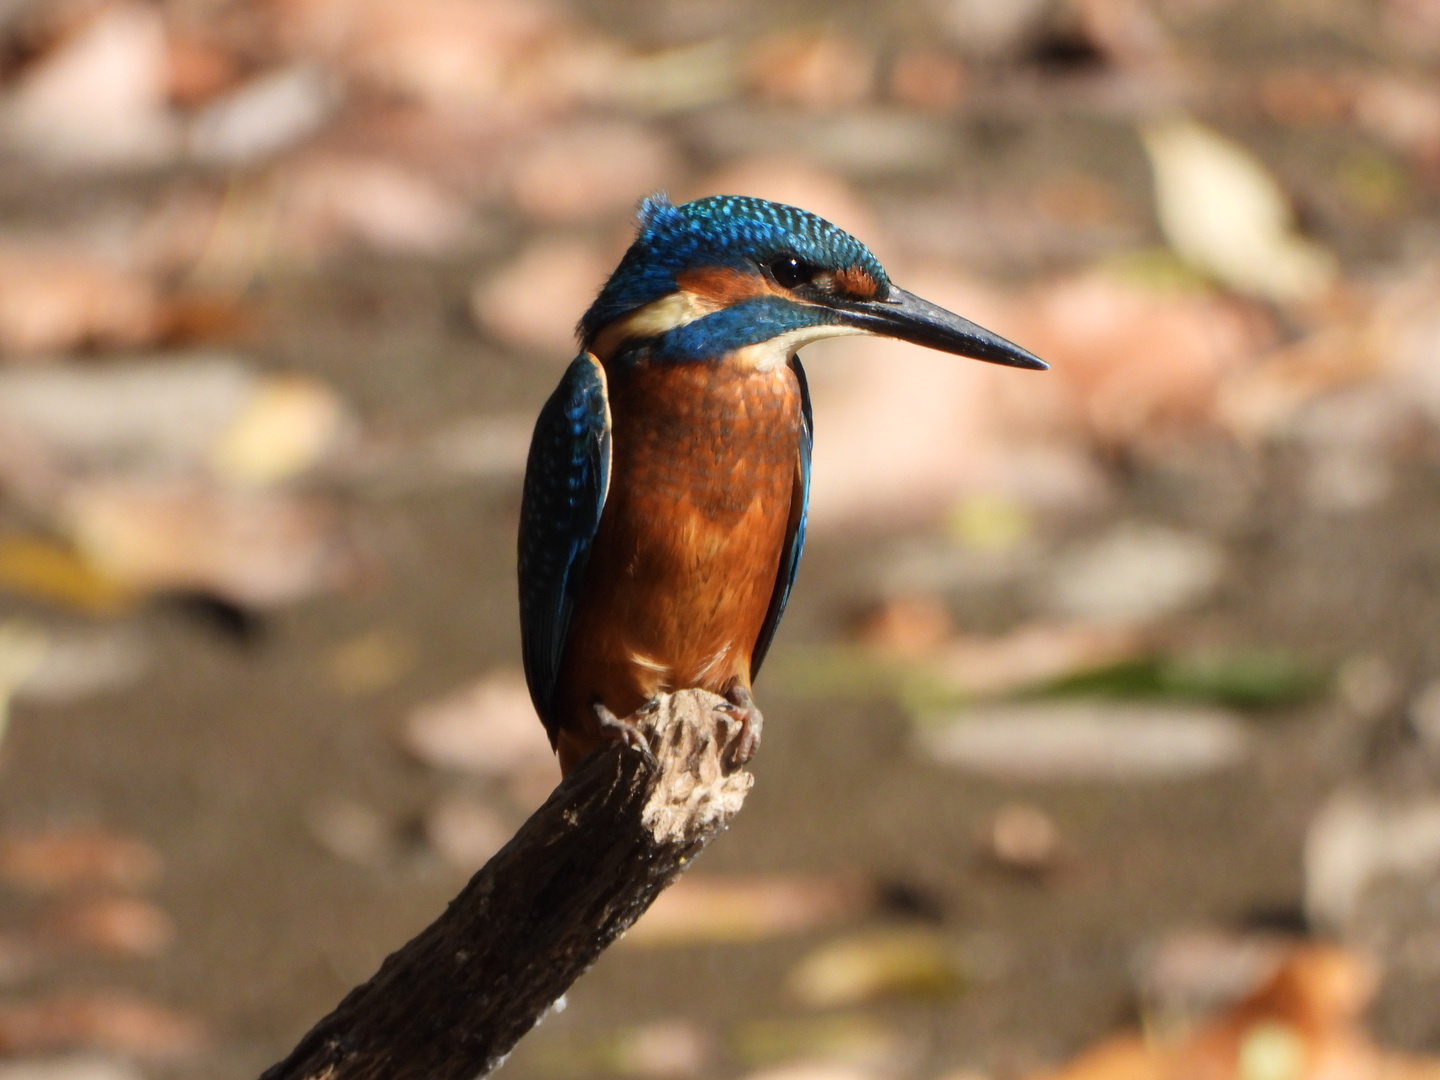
<point x="1307" y="96"/>
<point x="67" y="859"/>
<point x="198" y="68"/>
<point x="98" y="99"/>
<point x="907" y="626"/>
<point x="1405" y="114"/>
<point x="928" y="78"/>
<point x="1136" y="360"/>
<point x="104" y="1021"/>
<point x="819" y="71"/>
<point x="589" y="170"/>
<point x="1302" y="1023"/>
<point x="1023" y="837"/>
<point x="53" y="302"/>
<point x="710" y="907"/>
<point x="535" y="301"/>
<point x="449" y="54"/>
<point x="328" y="202"/>
<point x="124" y="925"/>
<point x="252" y="548"/>
<point x="1034" y="653"/>
<point x="487" y="727"/>
<point x="57" y="573"/>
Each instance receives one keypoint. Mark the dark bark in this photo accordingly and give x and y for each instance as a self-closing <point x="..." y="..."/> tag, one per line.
<point x="451" y="1003"/>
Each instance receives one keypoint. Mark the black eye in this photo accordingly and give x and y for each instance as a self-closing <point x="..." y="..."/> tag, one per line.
<point x="790" y="271"/>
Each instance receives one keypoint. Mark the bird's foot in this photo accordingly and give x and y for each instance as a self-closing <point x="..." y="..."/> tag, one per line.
<point x="740" y="710"/>
<point x="614" y="729"/>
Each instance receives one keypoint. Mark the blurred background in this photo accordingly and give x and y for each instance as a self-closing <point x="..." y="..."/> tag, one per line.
<point x="1108" y="705"/>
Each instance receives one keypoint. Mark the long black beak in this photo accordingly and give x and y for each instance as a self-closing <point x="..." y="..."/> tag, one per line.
<point x="905" y="316"/>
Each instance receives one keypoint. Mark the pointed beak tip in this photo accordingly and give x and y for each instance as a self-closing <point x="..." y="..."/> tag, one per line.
<point x="907" y="317"/>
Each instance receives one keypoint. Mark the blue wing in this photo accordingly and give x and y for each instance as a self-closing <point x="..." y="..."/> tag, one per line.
<point x="794" y="533"/>
<point x="566" y="479"/>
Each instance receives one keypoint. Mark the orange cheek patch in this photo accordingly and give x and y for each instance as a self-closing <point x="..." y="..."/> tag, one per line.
<point x="720" y="286"/>
<point x="853" y="281"/>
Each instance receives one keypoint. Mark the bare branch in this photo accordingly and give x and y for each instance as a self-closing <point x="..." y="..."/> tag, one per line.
<point x="451" y="1003"/>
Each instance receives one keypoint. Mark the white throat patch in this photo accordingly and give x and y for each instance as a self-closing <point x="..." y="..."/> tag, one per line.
<point x="769" y="355"/>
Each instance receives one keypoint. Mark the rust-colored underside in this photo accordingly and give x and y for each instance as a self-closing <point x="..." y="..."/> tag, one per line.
<point x="705" y="466"/>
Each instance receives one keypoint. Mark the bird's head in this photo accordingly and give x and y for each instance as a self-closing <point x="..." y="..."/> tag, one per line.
<point x="730" y="272"/>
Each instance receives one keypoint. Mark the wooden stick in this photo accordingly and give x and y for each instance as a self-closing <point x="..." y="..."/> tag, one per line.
<point x="454" y="1001"/>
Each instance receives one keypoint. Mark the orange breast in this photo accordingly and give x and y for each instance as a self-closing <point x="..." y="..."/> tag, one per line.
<point x="683" y="567"/>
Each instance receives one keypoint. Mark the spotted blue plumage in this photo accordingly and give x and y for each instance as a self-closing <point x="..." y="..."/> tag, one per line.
<point x="566" y="479"/>
<point x="723" y="230"/>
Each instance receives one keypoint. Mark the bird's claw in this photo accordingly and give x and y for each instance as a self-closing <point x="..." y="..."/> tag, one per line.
<point x="612" y="728"/>
<point x="739" y="710"/>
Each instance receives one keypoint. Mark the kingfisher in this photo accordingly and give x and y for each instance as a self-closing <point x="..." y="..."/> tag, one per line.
<point x="666" y="487"/>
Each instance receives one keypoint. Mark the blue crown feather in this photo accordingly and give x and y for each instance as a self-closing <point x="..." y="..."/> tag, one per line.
<point x="737" y="231"/>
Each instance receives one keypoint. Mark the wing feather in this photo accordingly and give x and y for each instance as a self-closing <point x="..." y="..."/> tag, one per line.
<point x="795" y="530"/>
<point x="567" y="476"/>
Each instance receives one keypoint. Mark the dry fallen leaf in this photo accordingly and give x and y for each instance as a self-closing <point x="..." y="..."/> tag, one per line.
<point x="1360" y="838"/>
<point x="52" y="301"/>
<point x="351" y="831"/>
<point x="1191" y="974"/>
<point x="503" y="60"/>
<point x="591" y="170"/>
<point x="123" y="925"/>
<point x="1134" y="573"/>
<point x="370" y="662"/>
<point x="191" y="413"/>
<point x="328" y="202"/>
<point x="100" y="98"/>
<point x="1086" y="740"/>
<point x="906" y="626"/>
<point x="993" y="29"/>
<point x="1022" y="837"/>
<point x="252" y="548"/>
<point x="536" y="300"/>
<point x="70" y="1067"/>
<point x="263" y="117"/>
<point x="660" y="1050"/>
<point x="288" y="425"/>
<point x="199" y="67"/>
<point x="716" y="908"/>
<point x="110" y="1021"/>
<point x="1302" y="1023"/>
<point x="488" y="728"/>
<point x="827" y="70"/>
<point x="928" y="78"/>
<point x="1133" y="359"/>
<point x="856" y="970"/>
<point x="76" y="665"/>
<point x="1404" y="114"/>
<point x="1306" y="96"/>
<point x="1126" y="32"/>
<point x="57" y="573"/>
<point x="22" y="649"/>
<point x="816" y="1070"/>
<point x="1033" y="653"/>
<point x="850" y="1044"/>
<point x="63" y="860"/>
<point x="1222" y="211"/>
